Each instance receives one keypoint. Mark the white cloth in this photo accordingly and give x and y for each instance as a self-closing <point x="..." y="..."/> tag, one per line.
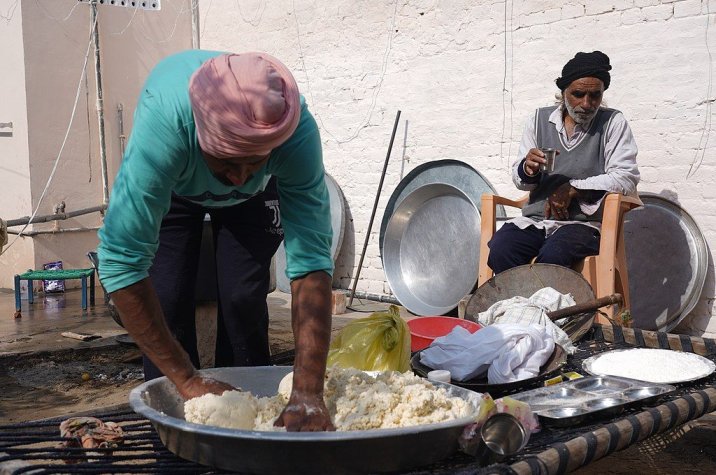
<point x="507" y="352"/>
<point x="532" y="311"/>
<point x="621" y="174"/>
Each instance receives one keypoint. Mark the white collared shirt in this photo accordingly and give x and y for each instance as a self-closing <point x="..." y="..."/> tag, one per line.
<point x="621" y="174"/>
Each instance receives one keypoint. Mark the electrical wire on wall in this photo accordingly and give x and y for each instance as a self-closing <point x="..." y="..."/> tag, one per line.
<point x="257" y="16"/>
<point x="51" y="17"/>
<point x="376" y="89"/>
<point x="10" y="12"/>
<point x="505" y="90"/>
<point x="179" y="12"/>
<point x="64" y="141"/>
<point x="706" y="131"/>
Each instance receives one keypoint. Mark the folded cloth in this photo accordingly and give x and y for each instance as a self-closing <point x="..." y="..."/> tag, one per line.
<point x="508" y="352"/>
<point x="532" y="311"/>
<point x="90" y="433"/>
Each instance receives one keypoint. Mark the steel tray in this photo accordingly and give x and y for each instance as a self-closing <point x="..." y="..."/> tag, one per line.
<point x="573" y="402"/>
<point x="588" y="365"/>
<point x="262" y="452"/>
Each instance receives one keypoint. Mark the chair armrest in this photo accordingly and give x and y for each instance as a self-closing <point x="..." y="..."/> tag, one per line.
<point x="488" y="227"/>
<point x="501" y="200"/>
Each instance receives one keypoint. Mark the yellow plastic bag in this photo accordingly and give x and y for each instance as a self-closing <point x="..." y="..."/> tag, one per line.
<point x="380" y="342"/>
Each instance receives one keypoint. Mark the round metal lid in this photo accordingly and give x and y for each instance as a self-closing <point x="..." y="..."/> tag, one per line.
<point x="667" y="261"/>
<point x="430" y="253"/>
<point x="523" y="281"/>
<point x="451" y="172"/>
<point x="338" y="222"/>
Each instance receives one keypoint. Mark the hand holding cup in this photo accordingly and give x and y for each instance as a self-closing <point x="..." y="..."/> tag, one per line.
<point x="538" y="161"/>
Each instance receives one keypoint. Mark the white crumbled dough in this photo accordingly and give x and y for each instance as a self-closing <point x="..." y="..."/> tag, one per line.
<point x="355" y="401"/>
<point x="652" y="365"/>
<point x="233" y="409"/>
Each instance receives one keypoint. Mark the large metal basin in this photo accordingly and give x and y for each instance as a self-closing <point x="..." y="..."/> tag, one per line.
<point x="261" y="452"/>
<point x="431" y="249"/>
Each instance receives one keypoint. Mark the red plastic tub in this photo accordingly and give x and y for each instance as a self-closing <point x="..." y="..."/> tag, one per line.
<point x="423" y="330"/>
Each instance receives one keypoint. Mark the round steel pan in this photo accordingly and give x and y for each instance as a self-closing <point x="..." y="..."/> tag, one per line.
<point x="451" y="172"/>
<point x="550" y="368"/>
<point x="588" y="366"/>
<point x="667" y="261"/>
<point x="523" y="281"/>
<point x="262" y="452"/>
<point x="338" y="223"/>
<point x="431" y="249"/>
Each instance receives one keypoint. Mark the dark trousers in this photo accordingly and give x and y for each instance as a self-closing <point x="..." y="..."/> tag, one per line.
<point x="511" y="246"/>
<point x="246" y="236"/>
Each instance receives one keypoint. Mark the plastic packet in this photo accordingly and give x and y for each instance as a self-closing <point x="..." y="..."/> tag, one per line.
<point x="380" y="342"/>
<point x="51" y="286"/>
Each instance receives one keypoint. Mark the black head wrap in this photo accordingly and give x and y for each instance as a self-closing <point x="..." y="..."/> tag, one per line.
<point x="593" y="65"/>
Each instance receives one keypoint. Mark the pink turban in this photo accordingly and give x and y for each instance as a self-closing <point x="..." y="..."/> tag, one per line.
<point x="244" y="104"/>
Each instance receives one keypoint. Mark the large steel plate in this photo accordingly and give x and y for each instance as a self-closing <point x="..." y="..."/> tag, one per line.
<point x="667" y="261"/>
<point x="338" y="223"/>
<point x="431" y="249"/>
<point x="687" y="358"/>
<point x="262" y="452"/>
<point x="451" y="172"/>
<point x="523" y="281"/>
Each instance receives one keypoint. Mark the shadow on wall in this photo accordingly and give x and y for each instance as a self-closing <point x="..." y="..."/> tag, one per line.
<point x="661" y="271"/>
<point x="345" y="261"/>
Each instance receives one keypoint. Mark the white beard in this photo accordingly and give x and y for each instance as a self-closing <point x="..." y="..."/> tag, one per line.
<point x="577" y="114"/>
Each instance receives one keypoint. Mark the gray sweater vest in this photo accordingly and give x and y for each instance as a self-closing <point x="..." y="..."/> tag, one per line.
<point x="582" y="160"/>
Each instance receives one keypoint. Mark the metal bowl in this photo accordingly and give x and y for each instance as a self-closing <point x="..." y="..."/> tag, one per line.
<point x="430" y="251"/>
<point x="262" y="452"/>
<point x="338" y="224"/>
<point x="452" y="172"/>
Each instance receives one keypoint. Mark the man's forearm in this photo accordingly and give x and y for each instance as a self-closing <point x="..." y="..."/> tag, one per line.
<point x="142" y="317"/>
<point x="311" y="322"/>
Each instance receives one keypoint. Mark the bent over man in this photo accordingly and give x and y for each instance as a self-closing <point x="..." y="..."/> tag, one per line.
<point x="228" y="135"/>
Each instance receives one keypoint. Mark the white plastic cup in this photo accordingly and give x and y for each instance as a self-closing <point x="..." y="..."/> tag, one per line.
<point x="440" y="375"/>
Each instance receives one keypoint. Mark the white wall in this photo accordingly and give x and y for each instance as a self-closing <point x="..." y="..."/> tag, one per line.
<point x="14" y="167"/>
<point x="44" y="44"/>
<point x="467" y="73"/>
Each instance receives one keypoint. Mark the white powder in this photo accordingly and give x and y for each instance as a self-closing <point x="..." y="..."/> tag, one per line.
<point x="654" y="366"/>
<point x="355" y="401"/>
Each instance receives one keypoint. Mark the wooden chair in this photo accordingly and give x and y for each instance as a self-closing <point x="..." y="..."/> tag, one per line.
<point x="605" y="272"/>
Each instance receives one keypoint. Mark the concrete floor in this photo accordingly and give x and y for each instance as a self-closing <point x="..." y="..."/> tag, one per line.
<point x="41" y="324"/>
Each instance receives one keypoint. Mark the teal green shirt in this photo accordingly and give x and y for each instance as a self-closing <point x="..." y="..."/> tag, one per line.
<point x="163" y="157"/>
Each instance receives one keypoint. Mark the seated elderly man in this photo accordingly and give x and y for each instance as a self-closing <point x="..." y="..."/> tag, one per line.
<point x="596" y="154"/>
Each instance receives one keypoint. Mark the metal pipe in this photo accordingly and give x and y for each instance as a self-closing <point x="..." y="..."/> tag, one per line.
<point x="120" y="122"/>
<point x="100" y="102"/>
<point x="375" y="207"/>
<point x="53" y="231"/>
<point x="375" y="297"/>
<point x="195" y="38"/>
<point x="54" y="217"/>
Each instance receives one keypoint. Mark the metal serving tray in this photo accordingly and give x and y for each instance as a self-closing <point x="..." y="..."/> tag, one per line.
<point x="573" y="402"/>
<point x="367" y="451"/>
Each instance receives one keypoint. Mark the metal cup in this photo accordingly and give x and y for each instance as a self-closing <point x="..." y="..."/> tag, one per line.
<point x="549" y="155"/>
<point x="502" y="436"/>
